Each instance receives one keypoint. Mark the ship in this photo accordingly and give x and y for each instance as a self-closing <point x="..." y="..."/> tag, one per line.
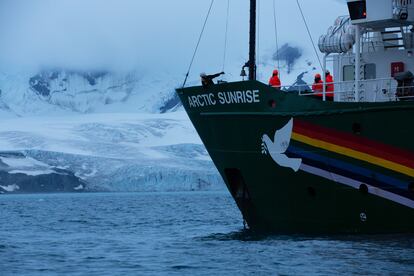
<point x="299" y="164"/>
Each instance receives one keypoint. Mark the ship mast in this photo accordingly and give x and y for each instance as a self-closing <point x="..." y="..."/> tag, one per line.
<point x="252" y="43"/>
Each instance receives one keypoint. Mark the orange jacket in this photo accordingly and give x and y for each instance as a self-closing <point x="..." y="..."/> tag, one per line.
<point x="318" y="87"/>
<point x="274" y="81"/>
<point x="330" y="87"/>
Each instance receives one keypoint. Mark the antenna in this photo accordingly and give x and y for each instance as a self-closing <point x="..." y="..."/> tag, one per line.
<point x="252" y="44"/>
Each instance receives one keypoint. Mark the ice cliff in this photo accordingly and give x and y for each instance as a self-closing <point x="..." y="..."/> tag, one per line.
<point x="112" y="151"/>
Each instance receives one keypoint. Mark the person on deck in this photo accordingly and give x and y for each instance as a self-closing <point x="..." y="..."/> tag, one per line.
<point x="274" y="81"/>
<point x="318" y="85"/>
<point x="207" y="80"/>
<point x="330" y="86"/>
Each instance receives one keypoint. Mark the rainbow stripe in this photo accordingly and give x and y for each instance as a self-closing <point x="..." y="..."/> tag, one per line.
<point x="359" y="148"/>
<point x="355" y="147"/>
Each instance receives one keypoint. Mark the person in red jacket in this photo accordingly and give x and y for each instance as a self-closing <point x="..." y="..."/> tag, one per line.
<point x="274" y="80"/>
<point x="318" y="85"/>
<point x="330" y="87"/>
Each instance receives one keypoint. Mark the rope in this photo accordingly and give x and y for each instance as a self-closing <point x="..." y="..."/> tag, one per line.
<point x="243" y="203"/>
<point x="309" y="33"/>
<point x="276" y="37"/>
<point x="226" y="36"/>
<point x="198" y="43"/>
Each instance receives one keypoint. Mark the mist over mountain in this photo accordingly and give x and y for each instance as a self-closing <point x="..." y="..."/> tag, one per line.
<point x="155" y="36"/>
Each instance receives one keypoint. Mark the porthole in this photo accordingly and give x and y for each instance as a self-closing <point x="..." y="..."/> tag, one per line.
<point x="311" y="191"/>
<point x="363" y="189"/>
<point x="356" y="128"/>
<point x="411" y="187"/>
<point x="272" y="103"/>
<point x="363" y="217"/>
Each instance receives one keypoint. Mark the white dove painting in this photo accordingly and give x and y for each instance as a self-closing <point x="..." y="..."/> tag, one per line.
<point x="278" y="147"/>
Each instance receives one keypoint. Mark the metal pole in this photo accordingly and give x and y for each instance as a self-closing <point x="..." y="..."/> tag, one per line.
<point x="252" y="43"/>
<point x="340" y="78"/>
<point x="324" y="76"/>
<point x="357" y="61"/>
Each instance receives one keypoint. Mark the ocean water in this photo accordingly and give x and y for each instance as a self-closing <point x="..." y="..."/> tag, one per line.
<point x="174" y="234"/>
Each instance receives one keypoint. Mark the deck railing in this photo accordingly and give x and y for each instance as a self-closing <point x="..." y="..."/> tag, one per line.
<point x="376" y="90"/>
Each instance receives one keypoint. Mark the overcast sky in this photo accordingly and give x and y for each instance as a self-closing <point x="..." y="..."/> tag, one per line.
<point x="123" y="34"/>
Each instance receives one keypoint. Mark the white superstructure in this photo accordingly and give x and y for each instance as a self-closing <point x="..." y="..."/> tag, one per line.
<point x="375" y="13"/>
<point x="371" y="49"/>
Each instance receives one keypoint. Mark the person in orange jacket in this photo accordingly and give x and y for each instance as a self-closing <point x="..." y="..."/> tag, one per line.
<point x="318" y="85"/>
<point x="330" y="86"/>
<point x="274" y="81"/>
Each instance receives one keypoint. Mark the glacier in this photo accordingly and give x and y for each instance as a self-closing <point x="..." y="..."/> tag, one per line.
<point x="114" y="152"/>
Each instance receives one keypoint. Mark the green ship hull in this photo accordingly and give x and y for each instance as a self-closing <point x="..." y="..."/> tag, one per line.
<point x="295" y="164"/>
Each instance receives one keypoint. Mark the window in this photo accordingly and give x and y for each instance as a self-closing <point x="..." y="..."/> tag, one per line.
<point x="357" y="10"/>
<point x="370" y="71"/>
<point x="349" y="73"/>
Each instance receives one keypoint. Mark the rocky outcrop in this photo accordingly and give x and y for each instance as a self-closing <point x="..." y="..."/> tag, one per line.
<point x="21" y="174"/>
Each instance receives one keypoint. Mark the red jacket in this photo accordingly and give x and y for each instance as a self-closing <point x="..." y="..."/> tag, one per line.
<point x="318" y="87"/>
<point x="330" y="87"/>
<point x="274" y="80"/>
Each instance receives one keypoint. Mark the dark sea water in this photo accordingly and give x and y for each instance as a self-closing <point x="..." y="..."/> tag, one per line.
<point x="173" y="234"/>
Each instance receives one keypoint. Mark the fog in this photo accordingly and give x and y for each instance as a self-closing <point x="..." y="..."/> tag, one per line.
<point x="156" y="34"/>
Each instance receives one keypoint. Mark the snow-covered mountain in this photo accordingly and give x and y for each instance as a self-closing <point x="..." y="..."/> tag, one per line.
<point x="64" y="92"/>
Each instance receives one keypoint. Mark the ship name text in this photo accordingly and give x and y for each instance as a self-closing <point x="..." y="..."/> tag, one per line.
<point x="223" y="98"/>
